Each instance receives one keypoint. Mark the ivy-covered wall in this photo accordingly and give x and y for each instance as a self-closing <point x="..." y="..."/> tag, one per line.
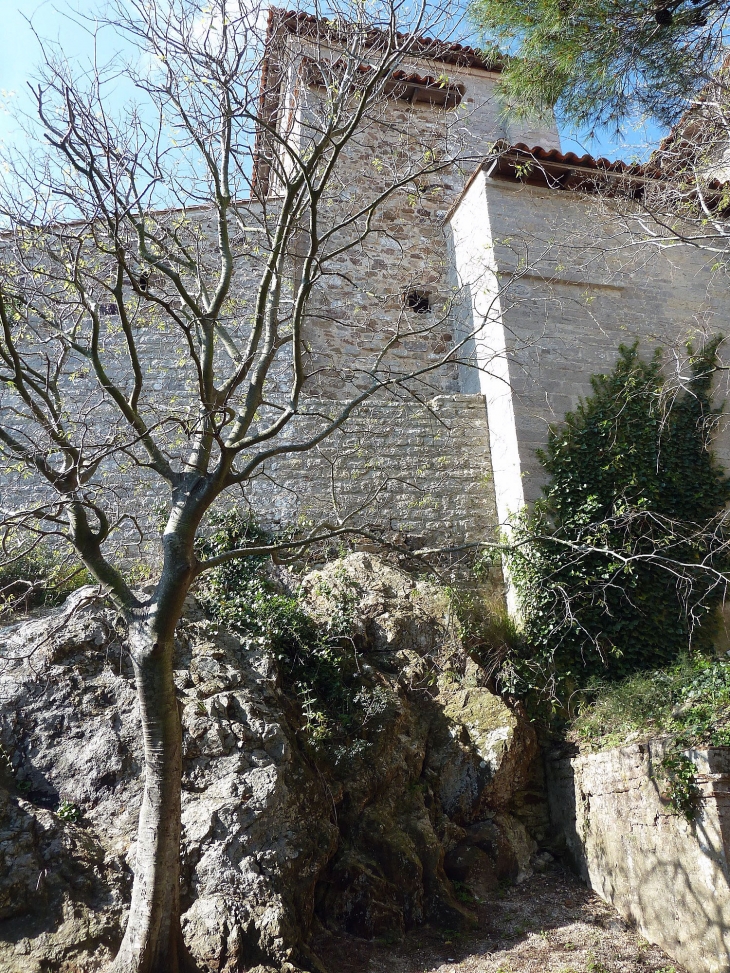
<point x="618" y="567"/>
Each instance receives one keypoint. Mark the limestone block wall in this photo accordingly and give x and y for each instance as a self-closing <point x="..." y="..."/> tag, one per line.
<point x="668" y="876"/>
<point x="555" y="282"/>
<point x="423" y="473"/>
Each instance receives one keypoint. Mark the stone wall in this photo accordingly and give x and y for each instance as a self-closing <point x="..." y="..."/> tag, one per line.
<point x="422" y="472"/>
<point x="361" y="302"/>
<point x="556" y="281"/>
<point x="669" y="876"/>
<point x="419" y="474"/>
<point x="419" y="453"/>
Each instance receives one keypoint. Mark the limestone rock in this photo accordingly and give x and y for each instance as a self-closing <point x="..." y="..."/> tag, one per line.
<point x="481" y="753"/>
<point x="364" y="832"/>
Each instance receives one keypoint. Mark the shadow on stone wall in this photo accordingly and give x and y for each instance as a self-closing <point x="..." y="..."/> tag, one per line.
<point x="667" y="875"/>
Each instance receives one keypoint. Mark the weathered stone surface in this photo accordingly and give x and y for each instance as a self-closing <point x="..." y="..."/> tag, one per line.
<point x="480" y="755"/>
<point x="276" y="830"/>
<point x="669" y="876"/>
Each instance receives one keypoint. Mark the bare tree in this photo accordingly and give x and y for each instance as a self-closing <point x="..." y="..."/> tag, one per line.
<point x="166" y="288"/>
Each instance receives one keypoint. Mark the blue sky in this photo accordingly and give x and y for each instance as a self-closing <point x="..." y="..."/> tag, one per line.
<point x="19" y="52"/>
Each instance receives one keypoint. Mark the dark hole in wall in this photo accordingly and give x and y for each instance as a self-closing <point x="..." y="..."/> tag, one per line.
<point x="418" y="301"/>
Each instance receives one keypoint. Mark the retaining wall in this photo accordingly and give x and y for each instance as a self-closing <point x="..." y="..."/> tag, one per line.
<point x="669" y="876"/>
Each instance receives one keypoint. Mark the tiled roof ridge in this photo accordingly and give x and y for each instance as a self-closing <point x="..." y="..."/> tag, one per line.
<point x="585" y="161"/>
<point x="504" y="155"/>
<point x="404" y="77"/>
<point x="427" y="80"/>
<point x="299" y="22"/>
<point x="504" y="158"/>
<point x="641" y="171"/>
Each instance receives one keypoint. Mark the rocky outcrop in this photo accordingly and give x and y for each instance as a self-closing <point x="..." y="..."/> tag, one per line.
<point x="284" y="825"/>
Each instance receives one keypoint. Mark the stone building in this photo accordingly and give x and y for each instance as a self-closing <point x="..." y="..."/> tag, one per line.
<point x="560" y="281"/>
<point x="542" y="278"/>
<point x="492" y="269"/>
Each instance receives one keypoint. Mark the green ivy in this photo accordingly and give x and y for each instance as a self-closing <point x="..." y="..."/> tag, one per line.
<point x="318" y="662"/>
<point x="239" y="593"/>
<point x="679" y="774"/>
<point x="631" y="477"/>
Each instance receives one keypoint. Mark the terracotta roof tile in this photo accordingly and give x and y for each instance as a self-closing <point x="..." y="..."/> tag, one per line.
<point x="408" y="85"/>
<point x="653" y="170"/>
<point x="584" y="173"/>
<point x="300" y="22"/>
<point x="567" y="159"/>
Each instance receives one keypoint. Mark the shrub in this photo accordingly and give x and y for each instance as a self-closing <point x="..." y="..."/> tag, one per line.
<point x="611" y="565"/>
<point x="318" y="662"/>
<point x="680" y="778"/>
<point x="39" y="576"/>
<point x="67" y="811"/>
<point x="689" y="702"/>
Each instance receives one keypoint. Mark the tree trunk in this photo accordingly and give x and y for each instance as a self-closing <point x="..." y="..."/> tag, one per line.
<point x="153" y="940"/>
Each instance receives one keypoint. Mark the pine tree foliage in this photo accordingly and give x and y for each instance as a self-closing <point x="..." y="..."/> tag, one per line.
<point x="603" y="62"/>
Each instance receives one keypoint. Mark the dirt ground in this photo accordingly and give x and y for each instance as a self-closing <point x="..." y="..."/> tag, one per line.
<point x="550" y="924"/>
